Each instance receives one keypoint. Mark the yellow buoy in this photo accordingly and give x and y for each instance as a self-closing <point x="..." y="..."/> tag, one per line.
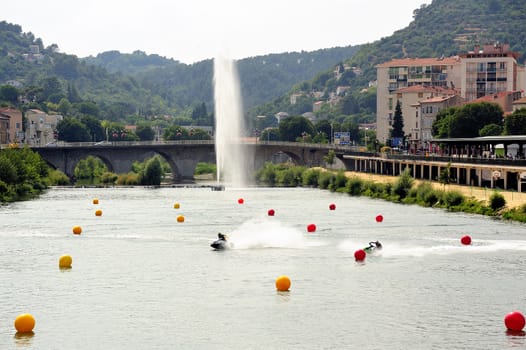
<point x="98" y="212"/>
<point x="64" y="262"/>
<point x="77" y="230"/>
<point x="24" y="323"/>
<point x="95" y="201"/>
<point x="176" y="206"/>
<point x="282" y="283"/>
<point x="180" y="218"/>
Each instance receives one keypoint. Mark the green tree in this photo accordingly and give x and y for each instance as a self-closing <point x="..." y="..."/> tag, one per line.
<point x="72" y="130"/>
<point x="88" y="108"/>
<point x="145" y="132"/>
<point x="490" y="130"/>
<point x="90" y="169"/>
<point x="94" y="127"/>
<point x="515" y="123"/>
<point x="295" y="127"/>
<point x="153" y="172"/>
<point x="398" y="123"/>
<point x="9" y="93"/>
<point x="469" y="119"/>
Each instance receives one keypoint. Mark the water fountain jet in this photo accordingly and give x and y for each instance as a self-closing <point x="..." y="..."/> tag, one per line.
<point x="231" y="153"/>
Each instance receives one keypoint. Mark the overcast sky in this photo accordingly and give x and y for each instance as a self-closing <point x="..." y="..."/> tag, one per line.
<point x="193" y="30"/>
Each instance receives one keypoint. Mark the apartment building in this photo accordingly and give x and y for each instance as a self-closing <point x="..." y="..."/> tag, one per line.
<point x="487" y="70"/>
<point x="399" y="74"/>
<point x="41" y="127"/>
<point x="4" y="129"/>
<point x="14" y="132"/>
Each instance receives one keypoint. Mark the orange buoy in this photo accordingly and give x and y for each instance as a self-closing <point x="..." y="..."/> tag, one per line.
<point x="177" y="206"/>
<point x="180" y="218"/>
<point x="64" y="262"/>
<point x="77" y="230"/>
<point x="98" y="212"/>
<point x="282" y="283"/>
<point x="95" y="201"/>
<point x="24" y="323"/>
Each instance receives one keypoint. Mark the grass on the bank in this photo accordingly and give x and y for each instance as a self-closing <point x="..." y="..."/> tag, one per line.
<point x="402" y="190"/>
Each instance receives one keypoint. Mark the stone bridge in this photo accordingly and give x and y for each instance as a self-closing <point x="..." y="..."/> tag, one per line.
<point x="182" y="156"/>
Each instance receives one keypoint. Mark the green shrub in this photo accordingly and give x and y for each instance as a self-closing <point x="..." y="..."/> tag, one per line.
<point x="58" y="178"/>
<point x="354" y="186"/>
<point x="452" y="199"/>
<point x="108" y="178"/>
<point x="426" y="195"/>
<point x="403" y="184"/>
<point x="205" y="168"/>
<point x="338" y="181"/>
<point x="267" y="174"/>
<point x="325" y="179"/>
<point x="130" y="179"/>
<point x="497" y="201"/>
<point x="374" y="189"/>
<point x="310" y="177"/>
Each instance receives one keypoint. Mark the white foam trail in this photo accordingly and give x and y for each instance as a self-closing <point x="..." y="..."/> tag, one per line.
<point x="450" y="246"/>
<point x="264" y="233"/>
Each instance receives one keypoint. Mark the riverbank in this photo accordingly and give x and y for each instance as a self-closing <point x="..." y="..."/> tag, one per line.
<point x="513" y="199"/>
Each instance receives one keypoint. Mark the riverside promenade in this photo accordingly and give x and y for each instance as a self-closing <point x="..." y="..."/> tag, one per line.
<point x="513" y="199"/>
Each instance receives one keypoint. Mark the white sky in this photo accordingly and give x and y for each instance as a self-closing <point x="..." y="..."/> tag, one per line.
<point x="193" y="30"/>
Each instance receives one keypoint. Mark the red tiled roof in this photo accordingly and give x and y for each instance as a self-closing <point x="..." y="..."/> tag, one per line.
<point x="492" y="97"/>
<point x="520" y="101"/>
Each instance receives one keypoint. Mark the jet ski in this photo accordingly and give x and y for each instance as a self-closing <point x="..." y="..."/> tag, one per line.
<point x="373" y="246"/>
<point x="221" y="243"/>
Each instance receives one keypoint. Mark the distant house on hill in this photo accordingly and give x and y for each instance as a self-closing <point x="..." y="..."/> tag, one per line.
<point x="41" y="127"/>
<point x="14" y="127"/>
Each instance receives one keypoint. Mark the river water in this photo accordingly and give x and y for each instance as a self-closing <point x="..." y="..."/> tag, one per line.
<point x="142" y="280"/>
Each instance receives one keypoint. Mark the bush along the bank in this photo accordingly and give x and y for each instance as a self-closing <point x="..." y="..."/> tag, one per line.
<point x="402" y="190"/>
<point x="24" y="175"/>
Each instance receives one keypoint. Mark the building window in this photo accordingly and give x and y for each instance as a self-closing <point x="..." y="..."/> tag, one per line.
<point x="420" y="94"/>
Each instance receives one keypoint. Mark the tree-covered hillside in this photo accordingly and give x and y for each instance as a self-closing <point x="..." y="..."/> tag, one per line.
<point x="145" y="85"/>
<point x="442" y="28"/>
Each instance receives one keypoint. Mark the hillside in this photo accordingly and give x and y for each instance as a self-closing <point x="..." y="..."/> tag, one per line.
<point x="262" y="78"/>
<point x="442" y="28"/>
<point x="147" y="85"/>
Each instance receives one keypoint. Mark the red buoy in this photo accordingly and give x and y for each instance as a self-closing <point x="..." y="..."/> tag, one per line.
<point x="379" y="218"/>
<point x="332" y="206"/>
<point x="359" y="255"/>
<point x="311" y="228"/>
<point x="514" y="321"/>
<point x="465" y="240"/>
<point x="241" y="201"/>
<point x="271" y="212"/>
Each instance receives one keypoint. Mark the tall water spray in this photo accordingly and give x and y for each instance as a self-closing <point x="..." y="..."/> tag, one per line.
<point x="231" y="155"/>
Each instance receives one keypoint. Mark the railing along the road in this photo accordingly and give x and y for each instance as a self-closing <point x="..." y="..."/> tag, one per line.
<point x="188" y="142"/>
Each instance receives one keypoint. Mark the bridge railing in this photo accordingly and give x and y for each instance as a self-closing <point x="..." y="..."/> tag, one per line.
<point x="344" y="148"/>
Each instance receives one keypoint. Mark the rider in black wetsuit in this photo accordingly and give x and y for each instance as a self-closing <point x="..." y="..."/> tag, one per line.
<point x="373" y="245"/>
